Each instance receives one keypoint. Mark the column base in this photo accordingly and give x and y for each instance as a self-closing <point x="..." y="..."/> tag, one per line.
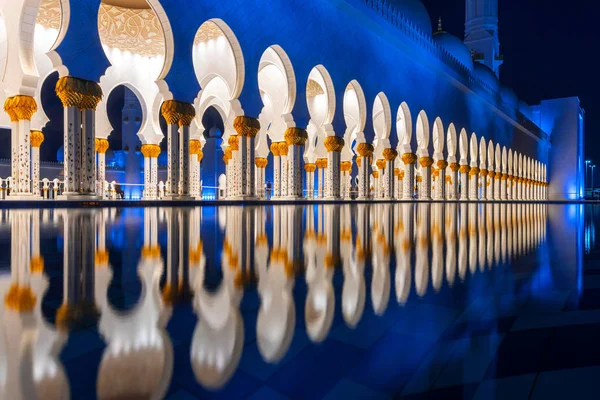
<point x="77" y="196"/>
<point x="332" y="198"/>
<point x="241" y="197"/>
<point x="177" y="197"/>
<point x="293" y="198"/>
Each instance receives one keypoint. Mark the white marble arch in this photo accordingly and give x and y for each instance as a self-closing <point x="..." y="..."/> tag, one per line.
<point x="438" y="140"/>
<point x="404" y="129"/>
<point x="473" y="151"/>
<point x="219" y="68"/>
<point x="277" y="86"/>
<point x="355" y="116"/>
<point x="320" y="98"/>
<point x="423" y="135"/>
<point x="451" y="142"/>
<point x="483" y="153"/>
<point x="382" y="126"/>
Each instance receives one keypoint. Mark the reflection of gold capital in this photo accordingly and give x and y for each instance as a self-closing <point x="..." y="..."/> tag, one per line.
<point x="296" y="136"/>
<point x="20" y="107"/>
<point x="409" y="158"/>
<point x="396" y="172"/>
<point x="102" y="145"/>
<point x="365" y="149"/>
<point x="375" y="174"/>
<point x="36" y="138"/>
<point x="321" y="163"/>
<point x="101" y="257"/>
<point x="19" y="298"/>
<point x="37" y="264"/>
<point x="330" y="261"/>
<point x="246" y="126"/>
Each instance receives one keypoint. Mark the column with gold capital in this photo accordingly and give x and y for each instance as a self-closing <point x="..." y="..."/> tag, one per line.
<point x="276" y="170"/>
<point x="195" y="147"/>
<point x="334" y="146"/>
<point x="474" y="183"/>
<point x="101" y="147"/>
<point x="296" y="139"/>
<point x="390" y="157"/>
<point x="187" y="114"/>
<point x="452" y="181"/>
<point x="171" y="111"/>
<point x="146" y="152"/>
<point x="321" y="165"/>
<point x="345" y="179"/>
<point x="20" y="109"/>
<point x="36" y="137"/>
<point x="440" y="185"/>
<point x="261" y="164"/>
<point x="310" y="179"/>
<point x="425" y="188"/>
<point x="87" y="106"/>
<point x="408" y="183"/>
<point x="234" y="182"/>
<point x="283" y="153"/>
<point x="247" y="128"/>
<point x="363" y="161"/>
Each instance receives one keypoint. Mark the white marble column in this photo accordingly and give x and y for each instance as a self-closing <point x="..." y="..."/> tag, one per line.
<point x="88" y="149"/>
<point x="504" y="185"/>
<point x="310" y="179"/>
<point x="101" y="148"/>
<point x="20" y="110"/>
<point x="425" y="188"/>
<point x="408" y="183"/>
<point x="453" y="181"/>
<point x="276" y="187"/>
<point x="36" y="138"/>
<point x="363" y="161"/>
<point x="187" y="115"/>
<point x="247" y="128"/>
<point x="261" y="165"/>
<point x="440" y="185"/>
<point x="321" y="167"/>
<point x="464" y="182"/>
<point x="390" y="156"/>
<point x="284" y="173"/>
<point x="295" y="139"/>
<point x="171" y="112"/>
<point x="474" y="183"/>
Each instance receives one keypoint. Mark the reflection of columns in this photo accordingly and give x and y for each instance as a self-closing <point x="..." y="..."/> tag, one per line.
<point x="390" y="157"/>
<point x="473" y="184"/>
<point x="261" y="165"/>
<point x="404" y="231"/>
<point x="79" y="98"/>
<point x="247" y="128"/>
<point x="295" y="139"/>
<point x="334" y="146"/>
<point x="440" y="185"/>
<point x="20" y="110"/>
<point x="453" y="182"/>
<point x="310" y="179"/>
<point x="408" y="183"/>
<point x="101" y="147"/>
<point x="365" y="151"/>
<point x="425" y="189"/>
<point x="276" y="170"/>
<point x="37" y="137"/>
<point x="321" y="166"/>
<point x="422" y="250"/>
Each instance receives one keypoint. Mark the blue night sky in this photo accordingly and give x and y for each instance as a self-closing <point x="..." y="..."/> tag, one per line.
<point x="547" y="47"/>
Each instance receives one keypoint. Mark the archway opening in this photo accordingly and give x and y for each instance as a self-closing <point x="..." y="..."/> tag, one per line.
<point x="212" y="162"/>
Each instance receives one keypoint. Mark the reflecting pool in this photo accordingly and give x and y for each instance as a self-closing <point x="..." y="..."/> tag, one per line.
<point x="485" y="301"/>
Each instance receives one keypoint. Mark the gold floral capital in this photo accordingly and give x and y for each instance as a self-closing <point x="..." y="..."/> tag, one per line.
<point x="80" y="93"/>
<point x="474" y="171"/>
<point x="261" y="162"/>
<point x="425" y="162"/>
<point x="187" y="113"/>
<point x="20" y="108"/>
<point x="321" y="163"/>
<point x="454" y="167"/>
<point x="295" y="136"/>
<point x="283" y="148"/>
<point x="310" y="167"/>
<point x="334" y="144"/>
<point x="246" y="126"/>
<point x="375" y="174"/>
<point x="483" y="172"/>
<point x="409" y="158"/>
<point x="275" y="149"/>
<point x="102" y="145"/>
<point x="177" y="112"/>
<point x="390" y="154"/>
<point x="346" y="166"/>
<point x="195" y="146"/>
<point x="234" y="142"/>
<point x="36" y="138"/>
<point x="365" y="149"/>
<point x="464" y="169"/>
<point x="380" y="164"/>
<point x="442" y="164"/>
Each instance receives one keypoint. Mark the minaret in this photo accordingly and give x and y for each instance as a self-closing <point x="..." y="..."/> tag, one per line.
<point x="481" y="33"/>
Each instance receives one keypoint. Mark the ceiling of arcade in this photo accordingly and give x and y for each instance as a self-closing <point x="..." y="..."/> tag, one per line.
<point x="128" y="25"/>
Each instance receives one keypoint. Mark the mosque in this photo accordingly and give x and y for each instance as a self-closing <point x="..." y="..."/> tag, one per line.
<point x="327" y="99"/>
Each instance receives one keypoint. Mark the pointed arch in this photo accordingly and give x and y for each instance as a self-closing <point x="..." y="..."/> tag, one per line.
<point x="438" y="139"/>
<point x="473" y="150"/>
<point x="355" y="116"/>
<point x="451" y="142"/>
<point x="463" y="147"/>
<point x="504" y="159"/>
<point x="483" y="153"/>
<point x="404" y="128"/>
<point x="510" y="162"/>
<point x="422" y="133"/>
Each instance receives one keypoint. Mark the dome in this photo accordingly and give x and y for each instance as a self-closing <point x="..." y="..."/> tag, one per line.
<point x="415" y="12"/>
<point x="487" y="76"/>
<point x="455" y="47"/>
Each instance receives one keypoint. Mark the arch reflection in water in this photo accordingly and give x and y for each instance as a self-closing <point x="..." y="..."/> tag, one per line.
<point x="268" y="251"/>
